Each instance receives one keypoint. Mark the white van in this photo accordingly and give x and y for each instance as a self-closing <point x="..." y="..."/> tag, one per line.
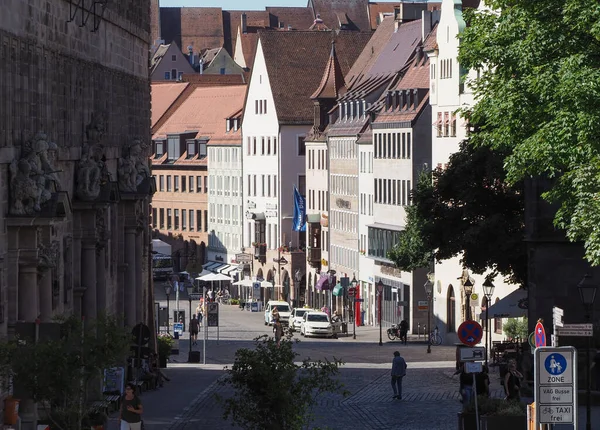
<point x="285" y="311"/>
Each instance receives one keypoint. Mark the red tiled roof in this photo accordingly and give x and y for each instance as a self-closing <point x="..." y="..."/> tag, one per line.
<point x="430" y="43"/>
<point x="204" y="111"/>
<point x="352" y="12"/>
<point x="375" y="9"/>
<point x="332" y="80"/>
<point x="295" y="63"/>
<point x="163" y="95"/>
<point x="249" y="44"/>
<point x="300" y="18"/>
<point x="232" y="20"/>
<point x="200" y="27"/>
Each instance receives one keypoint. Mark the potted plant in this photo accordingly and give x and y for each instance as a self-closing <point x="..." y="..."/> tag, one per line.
<point x="165" y="345"/>
<point x="508" y="415"/>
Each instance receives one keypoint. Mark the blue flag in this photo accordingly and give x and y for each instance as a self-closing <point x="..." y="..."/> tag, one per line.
<point x="299" y="211"/>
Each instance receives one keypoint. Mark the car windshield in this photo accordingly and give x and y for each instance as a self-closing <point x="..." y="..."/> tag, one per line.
<point x="300" y="313"/>
<point x="282" y="308"/>
<point x="317" y="318"/>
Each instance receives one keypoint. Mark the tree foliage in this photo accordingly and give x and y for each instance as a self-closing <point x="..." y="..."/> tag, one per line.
<point x="466" y="210"/>
<point x="271" y="391"/>
<point x="538" y="101"/>
<point x="58" y="373"/>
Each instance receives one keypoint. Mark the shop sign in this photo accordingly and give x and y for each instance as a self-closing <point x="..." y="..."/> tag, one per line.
<point x="243" y="258"/>
<point x="391" y="271"/>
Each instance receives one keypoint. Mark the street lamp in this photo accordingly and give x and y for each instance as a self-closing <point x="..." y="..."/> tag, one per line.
<point x="488" y="291"/>
<point x="354" y="283"/>
<point x="468" y="286"/>
<point x="587" y="293"/>
<point x="190" y="291"/>
<point x="429" y="293"/>
<point x="380" y="293"/>
<point x="168" y="289"/>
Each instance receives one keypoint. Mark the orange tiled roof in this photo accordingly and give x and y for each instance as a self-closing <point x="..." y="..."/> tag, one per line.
<point x="430" y="43"/>
<point x="204" y="111"/>
<point x="163" y="95"/>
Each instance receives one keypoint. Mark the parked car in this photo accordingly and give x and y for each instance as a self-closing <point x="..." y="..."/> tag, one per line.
<point x="316" y="323"/>
<point x="284" y="309"/>
<point x="297" y="316"/>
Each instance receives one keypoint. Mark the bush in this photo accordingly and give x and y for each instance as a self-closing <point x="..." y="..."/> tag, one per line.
<point x="271" y="391"/>
<point x="165" y="344"/>
<point x="490" y="406"/>
<point x="516" y="328"/>
<point x="234" y="302"/>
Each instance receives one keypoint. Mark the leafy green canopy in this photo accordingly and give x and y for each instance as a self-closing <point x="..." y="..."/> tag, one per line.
<point x="467" y="210"/>
<point x="538" y="100"/>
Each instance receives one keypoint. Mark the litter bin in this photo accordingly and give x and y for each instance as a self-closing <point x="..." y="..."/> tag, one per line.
<point x="345" y="328"/>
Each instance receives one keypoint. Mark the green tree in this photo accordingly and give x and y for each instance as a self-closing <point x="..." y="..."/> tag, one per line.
<point x="271" y="391"/>
<point x="59" y="374"/>
<point x="466" y="210"/>
<point x="538" y="101"/>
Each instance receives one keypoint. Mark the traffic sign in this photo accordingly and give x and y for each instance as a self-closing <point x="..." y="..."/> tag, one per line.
<point x="472" y="354"/>
<point x="557" y="315"/>
<point x="540" y="335"/>
<point x="531" y="339"/>
<point x="351" y="291"/>
<point x="194" y="296"/>
<point x="473" y="367"/>
<point x="555" y="385"/>
<point x="474" y="296"/>
<point x="580" y="330"/>
<point x="470" y="333"/>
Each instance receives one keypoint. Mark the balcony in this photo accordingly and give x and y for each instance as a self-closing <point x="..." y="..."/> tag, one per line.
<point x="313" y="256"/>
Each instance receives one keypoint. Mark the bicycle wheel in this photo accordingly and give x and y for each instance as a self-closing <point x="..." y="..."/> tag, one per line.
<point x="435" y="339"/>
<point x="391" y="335"/>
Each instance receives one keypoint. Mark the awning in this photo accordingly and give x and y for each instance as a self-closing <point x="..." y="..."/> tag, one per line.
<point x="244" y="283"/>
<point x="215" y="266"/>
<point x="338" y="290"/>
<point x="230" y="271"/>
<point x="224" y="268"/>
<point x="514" y="305"/>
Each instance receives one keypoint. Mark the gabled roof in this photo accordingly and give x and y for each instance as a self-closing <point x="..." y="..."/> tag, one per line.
<point x="204" y="111"/>
<point x="232" y="20"/>
<point x="349" y="14"/>
<point x="158" y="56"/>
<point x="163" y="95"/>
<point x="300" y="18"/>
<point x="209" y="55"/>
<point x="295" y="62"/>
<point x="430" y="43"/>
<point x="333" y="79"/>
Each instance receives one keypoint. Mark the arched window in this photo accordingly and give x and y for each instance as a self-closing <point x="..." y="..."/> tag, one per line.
<point x="497" y="321"/>
<point x="451" y="311"/>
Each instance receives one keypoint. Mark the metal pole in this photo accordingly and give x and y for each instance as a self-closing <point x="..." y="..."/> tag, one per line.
<point x="190" y="332"/>
<point x="168" y="316"/>
<point x="205" y="328"/>
<point x="488" y="335"/>
<point x="354" y="319"/>
<point x="428" y="323"/>
<point x="588" y="400"/>
<point x="468" y="307"/>
<point x="380" y="334"/>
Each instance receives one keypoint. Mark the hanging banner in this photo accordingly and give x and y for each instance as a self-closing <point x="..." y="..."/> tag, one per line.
<point x="299" y="211"/>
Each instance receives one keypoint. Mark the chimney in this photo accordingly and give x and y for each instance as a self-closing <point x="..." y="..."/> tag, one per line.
<point x="428" y="20"/>
<point x="244" y="23"/>
<point x="191" y="55"/>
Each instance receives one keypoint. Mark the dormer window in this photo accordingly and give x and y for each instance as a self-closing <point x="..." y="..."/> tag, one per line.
<point x="202" y="150"/>
<point x="351" y="110"/>
<point x="159" y="149"/>
<point x="236" y="122"/>
<point x="191" y="149"/>
<point x="173" y="149"/>
<point x="228" y="125"/>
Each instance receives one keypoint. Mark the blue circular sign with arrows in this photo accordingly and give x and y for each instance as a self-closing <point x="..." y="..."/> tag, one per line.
<point x="470" y="333"/>
<point x="555" y="364"/>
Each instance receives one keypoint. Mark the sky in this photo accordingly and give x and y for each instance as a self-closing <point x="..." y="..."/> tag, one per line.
<point x="233" y="4"/>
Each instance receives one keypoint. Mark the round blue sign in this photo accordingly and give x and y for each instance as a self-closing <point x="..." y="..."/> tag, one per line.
<point x="555" y="364"/>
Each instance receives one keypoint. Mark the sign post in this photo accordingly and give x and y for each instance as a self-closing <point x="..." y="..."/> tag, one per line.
<point x="556" y="385"/>
<point x="577" y="330"/>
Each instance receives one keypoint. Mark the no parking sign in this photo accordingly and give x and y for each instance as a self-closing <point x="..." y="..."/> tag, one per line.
<point x="470" y="333"/>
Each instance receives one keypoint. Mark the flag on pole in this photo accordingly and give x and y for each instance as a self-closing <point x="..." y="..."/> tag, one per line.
<point x="299" y="211"/>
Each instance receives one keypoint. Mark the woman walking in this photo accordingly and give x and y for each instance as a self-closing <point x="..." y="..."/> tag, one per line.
<point x="278" y="329"/>
<point x="131" y="412"/>
<point x="512" y="382"/>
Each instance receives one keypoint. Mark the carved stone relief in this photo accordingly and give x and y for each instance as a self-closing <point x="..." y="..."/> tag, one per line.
<point x="33" y="177"/>
<point x="133" y="166"/>
<point x="92" y="172"/>
<point x="47" y="254"/>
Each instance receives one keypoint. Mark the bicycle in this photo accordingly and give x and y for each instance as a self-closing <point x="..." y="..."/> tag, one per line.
<point x="435" y="338"/>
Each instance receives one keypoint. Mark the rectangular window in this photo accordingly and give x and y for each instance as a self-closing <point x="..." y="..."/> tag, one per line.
<point x="180" y="75"/>
<point x="176" y="219"/>
<point x="205" y="184"/>
<point x="161" y="179"/>
<point x="263" y="185"/>
<point x="439" y="124"/>
<point x="191" y="149"/>
<point x="191" y="218"/>
<point x="256" y="107"/>
<point x="160" y="148"/>
<point x="248" y="145"/>
<point x="265" y="106"/>
<point x="249" y="188"/>
<point x="403" y="145"/>
<point x="199" y="220"/>
<point x="275" y="185"/>
<point x="268" y="146"/>
<point x="269" y="186"/>
<point x="162" y="218"/>
<point x="408" y="135"/>
<point x="191" y="184"/>
<point x="169" y="189"/>
<point x="183" y="184"/>
<point x="169" y="219"/>
<point x="198" y="184"/>
<point x="254" y="184"/>
<point x="167" y="76"/>
<point x="301" y="145"/>
<point x="183" y="219"/>
<point x="394" y="192"/>
<point x="263" y="148"/>
<point x="173" y="148"/>
<point x="154" y="217"/>
<point x="254" y="146"/>
<point x="176" y="183"/>
<point x="274" y="146"/>
<point x="205" y="220"/>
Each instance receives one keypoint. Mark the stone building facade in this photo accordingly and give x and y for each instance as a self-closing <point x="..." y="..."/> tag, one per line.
<point x="75" y="183"/>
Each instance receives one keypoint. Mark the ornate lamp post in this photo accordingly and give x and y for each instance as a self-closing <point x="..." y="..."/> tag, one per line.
<point x="488" y="291"/>
<point x="168" y="289"/>
<point x="587" y="293"/>
<point x="190" y="291"/>
<point x="429" y="293"/>
<point x="468" y="286"/>
<point x="380" y="294"/>
<point x="354" y="283"/>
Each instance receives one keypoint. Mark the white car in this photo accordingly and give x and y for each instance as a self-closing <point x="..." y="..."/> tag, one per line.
<point x="316" y="323"/>
<point x="296" y="318"/>
<point x="284" y="309"/>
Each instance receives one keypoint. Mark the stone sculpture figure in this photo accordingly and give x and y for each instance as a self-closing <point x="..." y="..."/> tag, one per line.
<point x="133" y="167"/>
<point x="92" y="172"/>
<point x="33" y="177"/>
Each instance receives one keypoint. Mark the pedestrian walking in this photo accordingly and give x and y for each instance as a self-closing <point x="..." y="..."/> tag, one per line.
<point x="466" y="385"/>
<point x="398" y="372"/>
<point x="512" y="382"/>
<point x="194" y="324"/>
<point x="278" y="330"/>
<point x="130" y="415"/>
<point x="403" y="331"/>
